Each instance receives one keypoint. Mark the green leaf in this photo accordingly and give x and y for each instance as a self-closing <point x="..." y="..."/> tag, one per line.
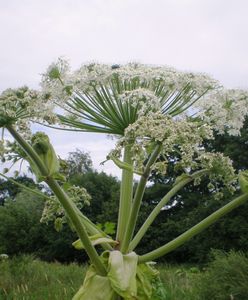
<point x="243" y="181"/>
<point x="66" y="186"/>
<point x="95" y="240"/>
<point x="145" y="277"/>
<point x="95" y="287"/>
<point x="109" y="228"/>
<point x="122" y="273"/>
<point x="59" y="177"/>
<point x="124" y="278"/>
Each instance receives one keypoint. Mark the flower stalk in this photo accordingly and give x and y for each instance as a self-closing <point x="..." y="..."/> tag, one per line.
<point x="160" y="205"/>
<point x="126" y="195"/>
<point x="138" y="199"/>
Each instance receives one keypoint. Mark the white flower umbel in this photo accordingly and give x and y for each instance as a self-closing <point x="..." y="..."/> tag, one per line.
<point x="20" y="106"/>
<point x="225" y="110"/>
<point x="181" y="141"/>
<point x="95" y="95"/>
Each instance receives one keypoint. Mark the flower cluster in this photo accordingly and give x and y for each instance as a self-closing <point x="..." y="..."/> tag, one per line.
<point x="225" y="110"/>
<point x="11" y="152"/>
<point x="181" y="142"/>
<point x="55" y="81"/>
<point x="153" y="88"/>
<point x="141" y="99"/>
<point x="96" y="74"/>
<point x="177" y="137"/>
<point x="221" y="172"/>
<point x="54" y="212"/>
<point x="20" y="106"/>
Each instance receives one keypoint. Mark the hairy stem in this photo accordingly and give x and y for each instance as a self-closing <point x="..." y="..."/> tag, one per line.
<point x="181" y="239"/>
<point x="68" y="205"/>
<point x="138" y="198"/>
<point x="126" y="195"/>
<point x="139" y="235"/>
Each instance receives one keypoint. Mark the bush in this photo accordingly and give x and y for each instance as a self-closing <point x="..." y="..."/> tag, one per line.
<point x="226" y="277"/>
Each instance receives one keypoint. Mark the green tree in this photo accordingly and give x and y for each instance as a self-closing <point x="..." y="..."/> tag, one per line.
<point x="104" y="190"/>
<point x="9" y="189"/>
<point x="78" y="162"/>
<point x="22" y="233"/>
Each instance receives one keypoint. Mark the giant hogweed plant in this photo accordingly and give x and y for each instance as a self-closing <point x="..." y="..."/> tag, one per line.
<point x="155" y="114"/>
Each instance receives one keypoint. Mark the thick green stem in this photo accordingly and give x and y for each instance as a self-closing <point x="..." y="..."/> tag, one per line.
<point x="181" y="239"/>
<point x="126" y="195"/>
<point x="68" y="205"/>
<point x="138" y="198"/>
<point x="71" y="211"/>
<point x="139" y="235"/>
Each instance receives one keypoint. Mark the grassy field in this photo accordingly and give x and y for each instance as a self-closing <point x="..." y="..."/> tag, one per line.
<point x="27" y="278"/>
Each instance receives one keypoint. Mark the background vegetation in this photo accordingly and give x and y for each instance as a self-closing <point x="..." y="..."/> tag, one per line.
<point x="20" y="212"/>
<point x="225" y="277"/>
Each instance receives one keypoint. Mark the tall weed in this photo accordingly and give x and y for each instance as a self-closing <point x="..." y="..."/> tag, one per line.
<point x="30" y="279"/>
<point x="226" y="278"/>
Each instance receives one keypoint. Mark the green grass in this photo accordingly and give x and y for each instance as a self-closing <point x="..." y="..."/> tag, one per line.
<point x="180" y="281"/>
<point x="226" y="277"/>
<point x="27" y="278"/>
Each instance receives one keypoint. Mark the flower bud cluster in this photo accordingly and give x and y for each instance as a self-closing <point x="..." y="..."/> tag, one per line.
<point x="53" y="210"/>
<point x="221" y="172"/>
<point x="20" y="106"/>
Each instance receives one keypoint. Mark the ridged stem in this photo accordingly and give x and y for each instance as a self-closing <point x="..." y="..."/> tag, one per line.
<point x="138" y="199"/>
<point x="126" y="195"/>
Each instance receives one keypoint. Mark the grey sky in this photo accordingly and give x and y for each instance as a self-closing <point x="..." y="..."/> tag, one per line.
<point x="197" y="35"/>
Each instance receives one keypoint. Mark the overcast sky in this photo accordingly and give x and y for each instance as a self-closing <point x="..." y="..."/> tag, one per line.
<point x="197" y="35"/>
